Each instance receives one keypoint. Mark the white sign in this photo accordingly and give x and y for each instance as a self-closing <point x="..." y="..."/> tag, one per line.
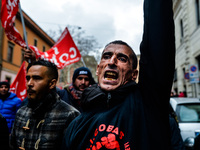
<point x="194" y="71"/>
<point x="194" y="80"/>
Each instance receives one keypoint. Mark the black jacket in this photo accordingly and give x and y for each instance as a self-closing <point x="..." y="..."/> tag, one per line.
<point x="66" y="96"/>
<point x="134" y="116"/>
<point x="176" y="139"/>
<point x="4" y="134"/>
<point x="43" y="125"/>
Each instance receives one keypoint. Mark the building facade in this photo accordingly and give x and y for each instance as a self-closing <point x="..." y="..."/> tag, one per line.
<point x="11" y="54"/>
<point x="187" y="35"/>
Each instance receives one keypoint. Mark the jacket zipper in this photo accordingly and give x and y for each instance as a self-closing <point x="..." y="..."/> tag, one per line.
<point x="108" y="99"/>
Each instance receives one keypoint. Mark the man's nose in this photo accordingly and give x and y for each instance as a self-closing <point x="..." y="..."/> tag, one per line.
<point x="30" y="82"/>
<point x="113" y="60"/>
<point x="83" y="81"/>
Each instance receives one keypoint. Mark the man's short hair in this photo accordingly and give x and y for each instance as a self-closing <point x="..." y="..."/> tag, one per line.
<point x="52" y="68"/>
<point x="133" y="56"/>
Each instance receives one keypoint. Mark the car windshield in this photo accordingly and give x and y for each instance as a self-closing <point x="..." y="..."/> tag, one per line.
<point x="188" y="112"/>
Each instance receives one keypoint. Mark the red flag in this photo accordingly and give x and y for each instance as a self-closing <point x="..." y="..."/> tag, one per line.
<point x="9" y="10"/>
<point x="63" y="53"/>
<point x="19" y="84"/>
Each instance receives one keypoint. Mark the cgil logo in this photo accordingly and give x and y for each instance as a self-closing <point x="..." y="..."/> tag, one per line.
<point x="11" y="4"/>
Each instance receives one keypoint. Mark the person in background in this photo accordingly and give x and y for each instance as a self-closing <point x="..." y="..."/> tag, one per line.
<point x="172" y="94"/>
<point x="181" y="94"/>
<point x="42" y="122"/>
<point x="4" y="134"/>
<point x="9" y="103"/>
<point x="117" y="112"/>
<point x="197" y="142"/>
<point x="176" y="139"/>
<point x="82" y="78"/>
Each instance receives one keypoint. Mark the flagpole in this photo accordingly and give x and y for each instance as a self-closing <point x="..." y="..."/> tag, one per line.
<point x="24" y="29"/>
<point x="83" y="62"/>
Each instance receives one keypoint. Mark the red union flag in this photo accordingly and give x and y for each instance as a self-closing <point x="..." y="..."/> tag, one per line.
<point x="19" y="84"/>
<point x="63" y="53"/>
<point x="9" y="10"/>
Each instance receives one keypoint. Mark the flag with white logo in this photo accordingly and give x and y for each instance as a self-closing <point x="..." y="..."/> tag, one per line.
<point x="19" y="84"/>
<point x="63" y="53"/>
<point x="9" y="9"/>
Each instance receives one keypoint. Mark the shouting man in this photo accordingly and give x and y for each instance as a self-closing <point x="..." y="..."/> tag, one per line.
<point x="117" y="112"/>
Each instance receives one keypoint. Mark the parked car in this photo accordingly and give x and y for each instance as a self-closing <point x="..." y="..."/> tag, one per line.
<point x="188" y="115"/>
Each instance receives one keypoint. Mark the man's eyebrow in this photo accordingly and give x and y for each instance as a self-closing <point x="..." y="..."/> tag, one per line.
<point x="34" y="76"/>
<point x="107" y="53"/>
<point x="122" y="55"/>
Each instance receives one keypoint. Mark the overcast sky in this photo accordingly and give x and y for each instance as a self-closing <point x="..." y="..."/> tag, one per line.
<point x="106" y="20"/>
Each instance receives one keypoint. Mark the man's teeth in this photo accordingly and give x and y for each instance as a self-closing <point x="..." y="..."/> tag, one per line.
<point x="110" y="79"/>
<point x="111" y="73"/>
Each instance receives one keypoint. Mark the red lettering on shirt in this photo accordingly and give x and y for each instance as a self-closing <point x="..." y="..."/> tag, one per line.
<point x="116" y="131"/>
<point x="110" y="128"/>
<point x="127" y="146"/>
<point x="121" y="135"/>
<point x="102" y="127"/>
<point x="111" y="141"/>
<point x="91" y="141"/>
<point x="96" y="132"/>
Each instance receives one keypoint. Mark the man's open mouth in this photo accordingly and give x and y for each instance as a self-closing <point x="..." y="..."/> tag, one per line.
<point x="109" y="75"/>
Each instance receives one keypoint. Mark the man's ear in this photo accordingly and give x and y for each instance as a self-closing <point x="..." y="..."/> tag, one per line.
<point x="134" y="74"/>
<point x="97" y="71"/>
<point x="52" y="84"/>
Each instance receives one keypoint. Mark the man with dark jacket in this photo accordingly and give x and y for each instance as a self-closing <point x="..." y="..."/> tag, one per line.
<point x="176" y="139"/>
<point x="197" y="142"/>
<point x="9" y="103"/>
<point x="120" y="114"/>
<point x="175" y="134"/>
<point x="41" y="123"/>
<point x="82" y="78"/>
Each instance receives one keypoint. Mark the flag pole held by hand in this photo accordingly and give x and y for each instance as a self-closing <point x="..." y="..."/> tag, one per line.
<point x="24" y="29"/>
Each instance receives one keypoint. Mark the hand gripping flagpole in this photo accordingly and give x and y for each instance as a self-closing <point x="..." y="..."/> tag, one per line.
<point x="24" y="29"/>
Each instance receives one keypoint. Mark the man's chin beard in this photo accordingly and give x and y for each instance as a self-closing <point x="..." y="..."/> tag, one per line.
<point x="32" y="103"/>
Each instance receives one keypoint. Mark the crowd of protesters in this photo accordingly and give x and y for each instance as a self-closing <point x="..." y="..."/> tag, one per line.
<point x="44" y="99"/>
<point x="117" y="113"/>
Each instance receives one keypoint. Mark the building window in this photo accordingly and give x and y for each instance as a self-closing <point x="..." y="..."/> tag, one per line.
<point x="182" y="30"/>
<point x="35" y="42"/>
<point x="43" y="48"/>
<point x="10" y="52"/>
<point x="175" y="75"/>
<point x="198" y="61"/>
<point x="183" y="69"/>
<point x="197" y="12"/>
<point x="22" y="56"/>
<point x="8" y="79"/>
